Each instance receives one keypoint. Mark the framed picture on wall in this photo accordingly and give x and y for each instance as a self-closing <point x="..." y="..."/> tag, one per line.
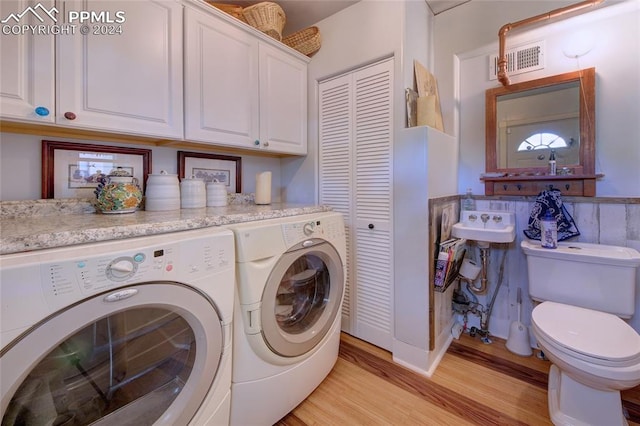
<point x="73" y="170"/>
<point x="209" y="167"/>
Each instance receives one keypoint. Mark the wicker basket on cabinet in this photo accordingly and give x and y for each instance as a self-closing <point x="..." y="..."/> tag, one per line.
<point x="305" y="41"/>
<point x="267" y="17"/>
<point x="230" y="9"/>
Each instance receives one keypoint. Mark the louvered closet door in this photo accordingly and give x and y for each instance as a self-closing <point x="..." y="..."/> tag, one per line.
<point x="372" y="138"/>
<point x="335" y="124"/>
<point x="356" y="134"/>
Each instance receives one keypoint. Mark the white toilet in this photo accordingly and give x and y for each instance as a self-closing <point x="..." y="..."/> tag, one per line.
<point x="585" y="290"/>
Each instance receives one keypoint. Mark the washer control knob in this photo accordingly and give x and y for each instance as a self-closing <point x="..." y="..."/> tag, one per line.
<point x="308" y="228"/>
<point x="121" y="268"/>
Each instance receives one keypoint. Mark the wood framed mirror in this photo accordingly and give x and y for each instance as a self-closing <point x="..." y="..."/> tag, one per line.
<point x="528" y="120"/>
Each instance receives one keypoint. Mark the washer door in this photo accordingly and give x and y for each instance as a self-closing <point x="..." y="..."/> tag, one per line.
<point x="302" y="298"/>
<point x="135" y="356"/>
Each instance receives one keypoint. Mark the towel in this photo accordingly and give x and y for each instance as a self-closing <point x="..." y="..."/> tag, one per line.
<point x="551" y="200"/>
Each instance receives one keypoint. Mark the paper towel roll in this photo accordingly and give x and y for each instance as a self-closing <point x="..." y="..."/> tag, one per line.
<point x="263" y="188"/>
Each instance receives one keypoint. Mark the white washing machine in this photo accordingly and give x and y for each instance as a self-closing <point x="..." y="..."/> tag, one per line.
<point x="129" y="332"/>
<point x="290" y="280"/>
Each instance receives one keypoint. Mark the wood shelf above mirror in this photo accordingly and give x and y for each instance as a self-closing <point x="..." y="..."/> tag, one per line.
<point x="526" y="121"/>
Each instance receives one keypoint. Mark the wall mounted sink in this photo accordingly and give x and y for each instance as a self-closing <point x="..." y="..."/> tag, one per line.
<point x="486" y="226"/>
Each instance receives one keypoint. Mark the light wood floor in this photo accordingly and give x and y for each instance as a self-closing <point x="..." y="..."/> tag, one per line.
<point x="474" y="384"/>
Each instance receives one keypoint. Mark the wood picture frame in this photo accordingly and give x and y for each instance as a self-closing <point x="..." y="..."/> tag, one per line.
<point x="72" y="170"/>
<point x="224" y="168"/>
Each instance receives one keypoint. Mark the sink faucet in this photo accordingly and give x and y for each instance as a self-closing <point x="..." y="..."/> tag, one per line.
<point x="484" y="218"/>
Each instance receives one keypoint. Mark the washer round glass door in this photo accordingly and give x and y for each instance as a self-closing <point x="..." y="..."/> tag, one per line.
<point x="134" y="356"/>
<point x="302" y="298"/>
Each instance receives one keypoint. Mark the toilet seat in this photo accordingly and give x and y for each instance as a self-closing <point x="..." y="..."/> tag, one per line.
<point x="592" y="336"/>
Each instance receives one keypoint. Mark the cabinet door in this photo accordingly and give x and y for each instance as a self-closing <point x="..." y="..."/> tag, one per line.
<point x="129" y="81"/>
<point x="27" y="66"/>
<point x="221" y="82"/>
<point x="283" y="101"/>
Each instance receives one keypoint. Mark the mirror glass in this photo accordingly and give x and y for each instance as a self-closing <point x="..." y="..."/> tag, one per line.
<point x="527" y="121"/>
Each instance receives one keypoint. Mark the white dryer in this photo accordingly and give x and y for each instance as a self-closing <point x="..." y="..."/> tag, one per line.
<point x="290" y="280"/>
<point x="129" y="332"/>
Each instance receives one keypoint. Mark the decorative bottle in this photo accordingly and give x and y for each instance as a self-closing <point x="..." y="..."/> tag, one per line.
<point x="549" y="231"/>
<point x="552" y="163"/>
<point x="468" y="203"/>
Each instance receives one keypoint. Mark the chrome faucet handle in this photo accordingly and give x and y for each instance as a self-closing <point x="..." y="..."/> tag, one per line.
<point x="473" y="217"/>
<point x="484" y="217"/>
<point x="497" y="219"/>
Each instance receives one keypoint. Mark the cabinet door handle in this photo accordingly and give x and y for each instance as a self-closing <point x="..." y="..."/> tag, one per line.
<point x="42" y="111"/>
<point x="519" y="187"/>
<point x="265" y="144"/>
<point x="256" y="142"/>
<point x="69" y="115"/>
<point x="504" y="186"/>
<point x="567" y="186"/>
<point x="371" y="226"/>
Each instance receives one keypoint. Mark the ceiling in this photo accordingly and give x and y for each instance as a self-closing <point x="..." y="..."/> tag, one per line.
<point x="304" y="13"/>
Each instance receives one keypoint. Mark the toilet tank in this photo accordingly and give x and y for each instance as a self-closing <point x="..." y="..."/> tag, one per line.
<point x="593" y="276"/>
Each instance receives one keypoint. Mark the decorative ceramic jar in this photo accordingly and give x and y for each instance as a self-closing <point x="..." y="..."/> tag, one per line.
<point x="193" y="193"/>
<point x="118" y="193"/>
<point x="216" y="194"/>
<point x="162" y="193"/>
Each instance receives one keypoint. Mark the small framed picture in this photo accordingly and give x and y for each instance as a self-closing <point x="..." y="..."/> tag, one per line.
<point x="73" y="170"/>
<point x="209" y="167"/>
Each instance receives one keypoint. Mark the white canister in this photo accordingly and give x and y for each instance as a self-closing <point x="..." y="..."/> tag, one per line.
<point x="162" y="192"/>
<point x="216" y="194"/>
<point x="193" y="193"/>
<point x="263" y="188"/>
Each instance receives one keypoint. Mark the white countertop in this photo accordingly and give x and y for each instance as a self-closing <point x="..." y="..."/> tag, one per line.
<point x="27" y="231"/>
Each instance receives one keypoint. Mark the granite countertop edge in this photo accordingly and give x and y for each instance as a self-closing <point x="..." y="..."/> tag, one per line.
<point x="37" y="232"/>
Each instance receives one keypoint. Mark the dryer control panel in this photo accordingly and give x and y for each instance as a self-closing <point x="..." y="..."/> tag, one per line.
<point x="327" y="228"/>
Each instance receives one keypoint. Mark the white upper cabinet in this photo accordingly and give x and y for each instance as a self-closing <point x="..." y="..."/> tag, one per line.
<point x="124" y="77"/>
<point x="283" y="101"/>
<point x="167" y="69"/>
<point x="221" y="82"/>
<point x="26" y="67"/>
<point x="240" y="90"/>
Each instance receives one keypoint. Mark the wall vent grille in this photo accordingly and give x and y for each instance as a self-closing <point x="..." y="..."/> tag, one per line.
<point x="521" y="59"/>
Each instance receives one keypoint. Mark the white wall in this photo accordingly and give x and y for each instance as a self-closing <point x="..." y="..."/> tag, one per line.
<point x="467" y="27"/>
<point x="616" y="59"/>
<point x="21" y="166"/>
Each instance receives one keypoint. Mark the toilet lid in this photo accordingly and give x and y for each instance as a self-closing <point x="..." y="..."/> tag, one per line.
<point x="588" y="332"/>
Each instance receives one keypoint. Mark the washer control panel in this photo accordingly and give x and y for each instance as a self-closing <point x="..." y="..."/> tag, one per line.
<point x="60" y="277"/>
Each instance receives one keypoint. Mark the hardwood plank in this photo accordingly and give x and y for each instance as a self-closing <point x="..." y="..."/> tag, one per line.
<point x="475" y="384"/>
